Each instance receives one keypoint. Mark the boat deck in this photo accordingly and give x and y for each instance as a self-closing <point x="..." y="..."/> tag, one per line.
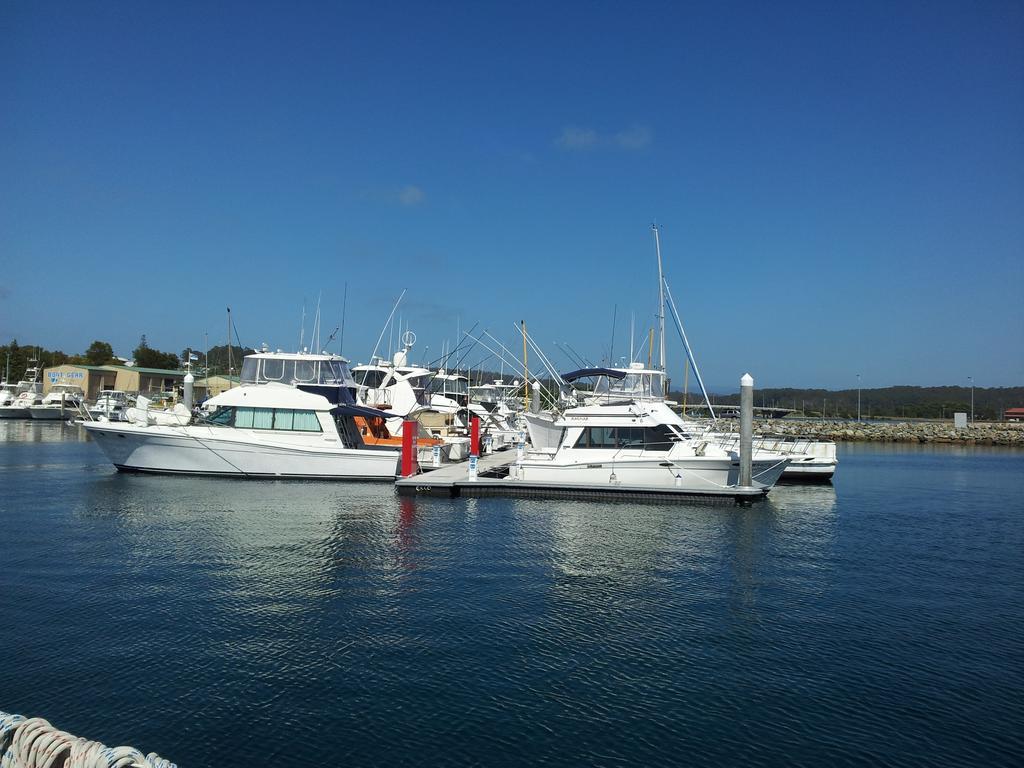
<point x="453" y="481"/>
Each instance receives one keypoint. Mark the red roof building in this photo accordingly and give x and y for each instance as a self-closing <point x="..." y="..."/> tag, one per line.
<point x="1014" y="414"/>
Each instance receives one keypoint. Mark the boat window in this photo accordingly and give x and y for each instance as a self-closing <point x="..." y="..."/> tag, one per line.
<point x="305" y="370"/>
<point x="283" y="419"/>
<point x="263" y="418"/>
<point x="333" y="372"/>
<point x="273" y="369"/>
<point x="371" y="379"/>
<point x="645" y="438"/>
<point x="596" y="437"/>
<point x="306" y="421"/>
<point x="249" y="366"/>
<point x="243" y="418"/>
<point x="657" y="438"/>
<point x="222" y="416"/>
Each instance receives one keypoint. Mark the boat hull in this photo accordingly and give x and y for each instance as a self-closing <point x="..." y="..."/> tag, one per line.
<point x="200" y="451"/>
<point x="695" y="474"/>
<point x="14" y="412"/>
<point x="46" y="413"/>
<point x="809" y="472"/>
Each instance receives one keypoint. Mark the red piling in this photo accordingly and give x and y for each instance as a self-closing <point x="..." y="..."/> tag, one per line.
<point x="474" y="436"/>
<point x="410" y="462"/>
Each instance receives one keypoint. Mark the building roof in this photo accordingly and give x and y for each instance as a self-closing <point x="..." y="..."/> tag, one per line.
<point x="86" y="367"/>
<point x="1016" y="411"/>
<point x="161" y="371"/>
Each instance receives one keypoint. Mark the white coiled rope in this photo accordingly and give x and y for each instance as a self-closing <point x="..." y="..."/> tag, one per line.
<point x="34" y="743"/>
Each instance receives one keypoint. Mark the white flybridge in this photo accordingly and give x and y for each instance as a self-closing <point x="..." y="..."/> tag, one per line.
<point x="292" y="417"/>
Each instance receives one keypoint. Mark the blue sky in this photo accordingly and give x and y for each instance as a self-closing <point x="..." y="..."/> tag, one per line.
<point x="840" y="186"/>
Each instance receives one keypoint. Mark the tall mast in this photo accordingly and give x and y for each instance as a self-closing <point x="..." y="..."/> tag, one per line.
<point x="230" y="369"/>
<point x="661" y="302"/>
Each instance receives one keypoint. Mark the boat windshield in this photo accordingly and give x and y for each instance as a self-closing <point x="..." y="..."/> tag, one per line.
<point x="261" y="370"/>
<point x="634" y="386"/>
<point x="453" y="386"/>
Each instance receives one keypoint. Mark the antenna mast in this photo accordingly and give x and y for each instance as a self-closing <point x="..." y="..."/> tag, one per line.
<point x="230" y="368"/>
<point x="661" y="302"/>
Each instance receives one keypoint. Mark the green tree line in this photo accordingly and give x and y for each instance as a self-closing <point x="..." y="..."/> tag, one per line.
<point x="889" y="402"/>
<point x="16" y="358"/>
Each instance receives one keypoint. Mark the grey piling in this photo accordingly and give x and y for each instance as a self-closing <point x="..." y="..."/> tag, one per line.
<point x="535" y="400"/>
<point x="746" y="428"/>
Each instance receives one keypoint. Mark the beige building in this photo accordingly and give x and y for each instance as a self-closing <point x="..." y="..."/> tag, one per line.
<point x="91" y="379"/>
<point x="214" y="385"/>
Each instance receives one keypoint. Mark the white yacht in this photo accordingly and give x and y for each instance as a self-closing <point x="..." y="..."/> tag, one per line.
<point x="111" y="405"/>
<point x="810" y="460"/>
<point x="8" y="393"/>
<point x="635" y="444"/>
<point x="625" y="434"/>
<point x="292" y="417"/>
<point x="64" y="401"/>
<point x="18" y="398"/>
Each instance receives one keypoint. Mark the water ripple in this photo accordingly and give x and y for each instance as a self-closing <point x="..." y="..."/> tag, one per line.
<point x="238" y="623"/>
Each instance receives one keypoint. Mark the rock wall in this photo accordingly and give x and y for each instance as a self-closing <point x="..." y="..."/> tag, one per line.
<point x="999" y="433"/>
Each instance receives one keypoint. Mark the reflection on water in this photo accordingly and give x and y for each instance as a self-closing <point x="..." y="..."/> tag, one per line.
<point x="290" y="623"/>
<point x="36" y="431"/>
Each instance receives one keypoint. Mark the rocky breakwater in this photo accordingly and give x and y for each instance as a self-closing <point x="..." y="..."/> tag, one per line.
<point x="989" y="433"/>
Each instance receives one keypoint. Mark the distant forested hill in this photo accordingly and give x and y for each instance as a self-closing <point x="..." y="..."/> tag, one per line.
<point x="896" y="402"/>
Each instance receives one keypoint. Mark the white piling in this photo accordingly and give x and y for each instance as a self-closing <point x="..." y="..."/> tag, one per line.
<point x="435" y="454"/>
<point x="746" y="428"/>
<point x="535" y="400"/>
<point x="472" y="468"/>
<point x="190" y="381"/>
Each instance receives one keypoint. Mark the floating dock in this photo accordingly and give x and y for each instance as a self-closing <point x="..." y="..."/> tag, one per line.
<point x="494" y="479"/>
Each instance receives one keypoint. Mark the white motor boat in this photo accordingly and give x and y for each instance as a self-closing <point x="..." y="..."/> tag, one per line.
<point x="110" y="405"/>
<point x="639" y="445"/>
<point x="625" y="434"/>
<point x="8" y="393"/>
<point x="810" y="460"/>
<point x="18" y="398"/>
<point x="292" y="417"/>
<point x="64" y="401"/>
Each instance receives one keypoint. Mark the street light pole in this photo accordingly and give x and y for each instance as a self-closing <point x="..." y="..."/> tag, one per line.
<point x="858" y="397"/>
<point x="971" y="379"/>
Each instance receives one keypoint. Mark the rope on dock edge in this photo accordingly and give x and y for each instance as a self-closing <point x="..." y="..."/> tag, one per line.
<point x="34" y="743"/>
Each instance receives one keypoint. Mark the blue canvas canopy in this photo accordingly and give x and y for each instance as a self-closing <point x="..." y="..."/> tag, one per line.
<point x="584" y="373"/>
<point x="366" y="413"/>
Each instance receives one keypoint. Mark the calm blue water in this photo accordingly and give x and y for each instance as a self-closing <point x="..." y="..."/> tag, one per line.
<point x="234" y="623"/>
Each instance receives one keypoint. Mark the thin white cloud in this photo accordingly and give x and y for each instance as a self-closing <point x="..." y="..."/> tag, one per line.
<point x="410" y="195"/>
<point x="634" y="137"/>
<point x="576" y="139"/>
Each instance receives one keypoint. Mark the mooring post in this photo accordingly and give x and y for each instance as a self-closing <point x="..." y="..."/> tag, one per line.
<point x="746" y="428"/>
<point x="190" y="381"/>
<point x="474" y="435"/>
<point x="535" y="400"/>
<point x="410" y="464"/>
